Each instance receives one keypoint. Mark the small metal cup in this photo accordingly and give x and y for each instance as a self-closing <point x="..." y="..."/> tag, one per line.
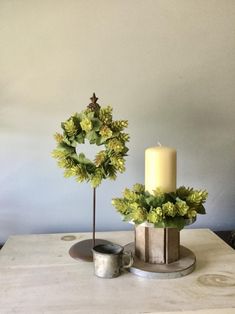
<point x="109" y="260"/>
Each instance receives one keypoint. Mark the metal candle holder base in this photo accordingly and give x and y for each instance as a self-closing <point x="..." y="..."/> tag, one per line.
<point x="157" y="245"/>
<point x="182" y="267"/>
<point x="158" y="254"/>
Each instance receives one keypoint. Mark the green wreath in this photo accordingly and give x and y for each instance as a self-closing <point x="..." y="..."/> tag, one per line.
<point x="161" y="210"/>
<point x="96" y="125"/>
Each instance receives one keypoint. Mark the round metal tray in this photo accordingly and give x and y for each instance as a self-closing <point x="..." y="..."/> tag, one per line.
<point x="184" y="266"/>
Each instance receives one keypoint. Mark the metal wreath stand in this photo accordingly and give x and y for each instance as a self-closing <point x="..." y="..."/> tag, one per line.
<point x="82" y="250"/>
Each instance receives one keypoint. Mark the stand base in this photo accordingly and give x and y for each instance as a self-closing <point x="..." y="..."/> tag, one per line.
<point x="83" y="249"/>
<point x="184" y="266"/>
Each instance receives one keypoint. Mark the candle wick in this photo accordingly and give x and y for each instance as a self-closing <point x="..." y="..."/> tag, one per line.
<point x="159" y="144"/>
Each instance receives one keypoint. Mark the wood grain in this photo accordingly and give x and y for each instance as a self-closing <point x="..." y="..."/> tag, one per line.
<point x="37" y="275"/>
<point x="157" y="245"/>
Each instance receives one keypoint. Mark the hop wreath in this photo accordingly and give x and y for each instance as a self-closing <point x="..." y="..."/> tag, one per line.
<point x="96" y="125"/>
<point x="160" y="209"/>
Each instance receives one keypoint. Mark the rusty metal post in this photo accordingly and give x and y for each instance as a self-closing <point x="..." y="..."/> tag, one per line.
<point x="94" y="212"/>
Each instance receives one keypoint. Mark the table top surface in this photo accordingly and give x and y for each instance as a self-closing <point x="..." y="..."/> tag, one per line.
<point x="37" y="275"/>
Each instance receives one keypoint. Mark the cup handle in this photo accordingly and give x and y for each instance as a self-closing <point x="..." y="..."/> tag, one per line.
<point x="131" y="260"/>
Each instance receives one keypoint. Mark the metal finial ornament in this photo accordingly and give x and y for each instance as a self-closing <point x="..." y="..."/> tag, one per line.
<point x="94" y="105"/>
<point x="94" y="98"/>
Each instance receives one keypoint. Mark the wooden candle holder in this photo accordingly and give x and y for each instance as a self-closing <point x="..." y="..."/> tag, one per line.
<point x="157" y="245"/>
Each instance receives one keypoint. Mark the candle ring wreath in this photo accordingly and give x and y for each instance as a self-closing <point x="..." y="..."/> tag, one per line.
<point x="94" y="124"/>
<point x="161" y="210"/>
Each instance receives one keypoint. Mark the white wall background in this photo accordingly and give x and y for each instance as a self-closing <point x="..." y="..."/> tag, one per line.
<point x="168" y="66"/>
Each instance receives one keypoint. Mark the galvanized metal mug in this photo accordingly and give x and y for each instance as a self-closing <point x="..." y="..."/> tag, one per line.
<point x="109" y="260"/>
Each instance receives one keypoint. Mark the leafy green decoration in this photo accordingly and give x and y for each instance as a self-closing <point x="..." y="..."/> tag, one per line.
<point x="163" y="210"/>
<point x="95" y="124"/>
<point x="177" y="222"/>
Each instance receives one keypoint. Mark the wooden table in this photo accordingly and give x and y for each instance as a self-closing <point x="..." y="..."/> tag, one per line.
<point x="37" y="275"/>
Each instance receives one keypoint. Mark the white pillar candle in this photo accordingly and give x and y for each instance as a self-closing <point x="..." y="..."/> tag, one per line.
<point x="160" y="169"/>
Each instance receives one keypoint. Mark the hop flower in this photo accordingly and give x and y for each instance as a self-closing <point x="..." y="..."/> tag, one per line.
<point x="100" y="158"/>
<point x="124" y="137"/>
<point x="181" y="207"/>
<point x="80" y="172"/>
<point x="68" y="173"/>
<point x="70" y="127"/>
<point x="71" y="169"/>
<point x="169" y="209"/>
<point x="118" y="163"/>
<point x="105" y="132"/>
<point x="120" y="205"/>
<point x="105" y="114"/>
<point x="138" y="188"/>
<point x="86" y="125"/>
<point x="155" y="215"/>
<point x="183" y="192"/>
<point x="119" y="125"/>
<point x="192" y="214"/>
<point x="112" y="176"/>
<point x="96" y="178"/>
<point x="58" y="137"/>
<point x="159" y="195"/>
<point x="130" y="195"/>
<point x="58" y="153"/>
<point x="197" y="197"/>
<point x="66" y="163"/>
<point x="111" y="172"/>
<point x="204" y="195"/>
<point x="115" y="145"/>
<point x="158" y="192"/>
<point x="138" y="214"/>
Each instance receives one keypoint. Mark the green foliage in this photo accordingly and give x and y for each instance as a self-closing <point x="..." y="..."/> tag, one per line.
<point x="161" y="209"/>
<point x="183" y="192"/>
<point x="86" y="125"/>
<point x="96" y="125"/>
<point x="176" y="222"/>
